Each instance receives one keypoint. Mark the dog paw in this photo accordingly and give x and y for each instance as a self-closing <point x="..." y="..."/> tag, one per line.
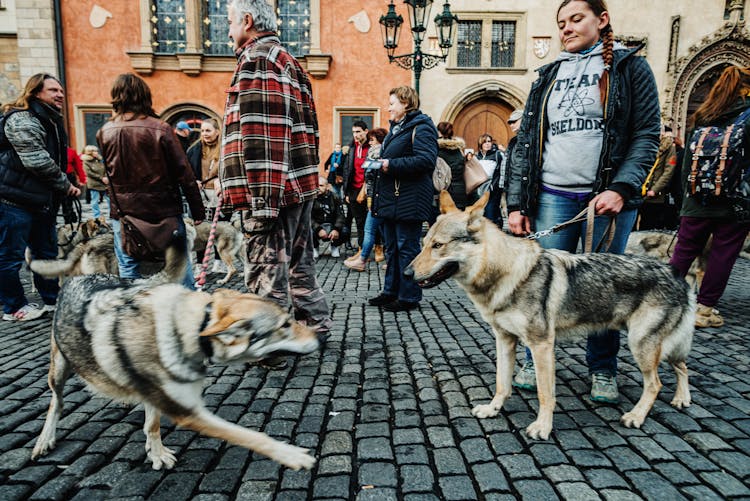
<point x="539" y="430"/>
<point x="221" y="281"/>
<point x="293" y="457"/>
<point x="161" y="456"/>
<point x="485" y="411"/>
<point x="632" y="419"/>
<point x="680" y="402"/>
<point x="42" y="448"/>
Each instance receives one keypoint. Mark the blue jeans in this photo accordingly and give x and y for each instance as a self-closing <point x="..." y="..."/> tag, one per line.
<point x="601" y="346"/>
<point x="19" y="229"/>
<point x="98" y="197"/>
<point x="129" y="266"/>
<point x="372" y="225"/>
<point x="401" y="247"/>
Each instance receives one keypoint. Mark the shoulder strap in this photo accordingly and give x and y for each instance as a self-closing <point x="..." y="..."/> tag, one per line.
<point x="696" y="155"/>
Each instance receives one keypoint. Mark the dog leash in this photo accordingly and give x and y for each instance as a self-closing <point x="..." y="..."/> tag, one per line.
<point x="587" y="215"/>
<point x="209" y="252"/>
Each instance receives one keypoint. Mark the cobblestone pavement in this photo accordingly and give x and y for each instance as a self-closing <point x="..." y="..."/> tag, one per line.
<point x="386" y="410"/>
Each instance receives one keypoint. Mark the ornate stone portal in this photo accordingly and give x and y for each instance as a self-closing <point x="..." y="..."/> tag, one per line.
<point x="730" y="45"/>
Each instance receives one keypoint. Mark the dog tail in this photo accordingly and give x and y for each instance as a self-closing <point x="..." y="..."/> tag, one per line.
<point x="54" y="268"/>
<point x="175" y="262"/>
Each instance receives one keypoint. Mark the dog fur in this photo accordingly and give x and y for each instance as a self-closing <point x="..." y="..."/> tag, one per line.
<point x="227" y="242"/>
<point x="660" y="245"/>
<point x="149" y="342"/>
<point x="95" y="255"/>
<point x="539" y="296"/>
<point x="69" y="236"/>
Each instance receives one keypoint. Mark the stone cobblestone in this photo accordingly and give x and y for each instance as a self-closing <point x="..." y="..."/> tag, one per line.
<point x="385" y="408"/>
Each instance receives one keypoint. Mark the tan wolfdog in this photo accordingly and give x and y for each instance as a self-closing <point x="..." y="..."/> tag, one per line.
<point x="539" y="296"/>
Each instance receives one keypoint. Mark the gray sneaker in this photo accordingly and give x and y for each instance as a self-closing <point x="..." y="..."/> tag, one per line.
<point x="604" y="388"/>
<point x="526" y="377"/>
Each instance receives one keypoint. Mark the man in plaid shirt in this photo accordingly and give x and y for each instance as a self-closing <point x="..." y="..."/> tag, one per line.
<point x="269" y="164"/>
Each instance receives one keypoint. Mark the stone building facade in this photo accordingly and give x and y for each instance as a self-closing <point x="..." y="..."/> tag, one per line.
<point x="180" y="48"/>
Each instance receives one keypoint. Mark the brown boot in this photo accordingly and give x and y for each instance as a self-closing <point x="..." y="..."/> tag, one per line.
<point x="379" y="254"/>
<point x="708" y="316"/>
<point x="355" y="257"/>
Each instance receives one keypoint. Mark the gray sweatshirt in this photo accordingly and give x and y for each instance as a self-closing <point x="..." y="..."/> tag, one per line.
<point x="573" y="141"/>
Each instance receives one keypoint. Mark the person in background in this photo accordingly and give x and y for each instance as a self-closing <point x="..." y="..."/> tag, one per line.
<point x="602" y="159"/>
<point x="726" y="101"/>
<point x="404" y="195"/>
<point x="514" y="121"/>
<point x="203" y="157"/>
<point x="491" y="158"/>
<point x="358" y="262"/>
<point x="354" y="180"/>
<point x="33" y="159"/>
<point x="146" y="168"/>
<point x="333" y="170"/>
<point x="183" y="132"/>
<point x="327" y="219"/>
<point x="451" y="149"/>
<point x="94" y="168"/>
<point x="654" y="212"/>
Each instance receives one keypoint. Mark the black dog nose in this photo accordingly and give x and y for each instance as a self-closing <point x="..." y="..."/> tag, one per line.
<point x="409" y="272"/>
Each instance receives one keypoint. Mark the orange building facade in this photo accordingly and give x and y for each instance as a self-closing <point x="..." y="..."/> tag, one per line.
<point x="351" y="74"/>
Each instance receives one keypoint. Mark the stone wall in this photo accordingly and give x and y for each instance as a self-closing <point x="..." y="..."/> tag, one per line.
<point x="36" y="37"/>
<point x="10" y="76"/>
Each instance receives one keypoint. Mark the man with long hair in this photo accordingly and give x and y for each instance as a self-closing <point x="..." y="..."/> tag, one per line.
<point x="145" y="167"/>
<point x="270" y="163"/>
<point x="33" y="159"/>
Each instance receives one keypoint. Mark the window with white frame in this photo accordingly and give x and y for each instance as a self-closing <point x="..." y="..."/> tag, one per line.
<point x="489" y="41"/>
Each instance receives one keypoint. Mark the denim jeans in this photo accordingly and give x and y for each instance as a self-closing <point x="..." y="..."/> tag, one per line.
<point x="372" y="225"/>
<point x="98" y="197"/>
<point x="401" y="247"/>
<point x="602" y="346"/>
<point x="128" y="265"/>
<point x="19" y="229"/>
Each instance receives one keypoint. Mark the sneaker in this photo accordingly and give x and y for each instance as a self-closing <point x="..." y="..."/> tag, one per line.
<point x="379" y="254"/>
<point x="49" y="308"/>
<point x="335" y="251"/>
<point x="356" y="265"/>
<point x="708" y="316"/>
<point x="315" y="254"/>
<point x="526" y="377"/>
<point x="29" y="312"/>
<point x="604" y="388"/>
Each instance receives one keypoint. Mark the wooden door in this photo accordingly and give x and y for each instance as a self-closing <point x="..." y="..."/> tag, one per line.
<point x="486" y="115"/>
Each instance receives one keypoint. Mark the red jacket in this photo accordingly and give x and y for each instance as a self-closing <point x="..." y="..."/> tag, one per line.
<point x="75" y="166"/>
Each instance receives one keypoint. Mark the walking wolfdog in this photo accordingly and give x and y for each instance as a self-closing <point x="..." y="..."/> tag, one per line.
<point x="539" y="296"/>
<point x="150" y="342"/>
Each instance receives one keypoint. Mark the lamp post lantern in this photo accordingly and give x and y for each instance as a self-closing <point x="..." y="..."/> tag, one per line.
<point x="419" y="11"/>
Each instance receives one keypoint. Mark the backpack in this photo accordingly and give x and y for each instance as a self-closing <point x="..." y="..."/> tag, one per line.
<point x="441" y="176"/>
<point x="718" y="158"/>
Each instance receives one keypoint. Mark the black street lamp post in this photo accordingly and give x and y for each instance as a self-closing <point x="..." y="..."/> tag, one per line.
<point x="419" y="10"/>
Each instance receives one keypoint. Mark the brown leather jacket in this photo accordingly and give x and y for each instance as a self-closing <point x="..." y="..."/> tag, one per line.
<point x="146" y="167"/>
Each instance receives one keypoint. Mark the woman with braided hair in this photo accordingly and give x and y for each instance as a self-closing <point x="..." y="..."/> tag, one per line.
<point x="590" y="133"/>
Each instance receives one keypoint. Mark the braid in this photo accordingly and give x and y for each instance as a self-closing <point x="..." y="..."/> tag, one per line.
<point x="608" y="42"/>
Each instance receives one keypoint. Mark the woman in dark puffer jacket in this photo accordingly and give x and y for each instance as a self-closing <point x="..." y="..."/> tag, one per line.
<point x="405" y="194"/>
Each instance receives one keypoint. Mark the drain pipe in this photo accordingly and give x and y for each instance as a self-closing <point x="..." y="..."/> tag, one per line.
<point x="60" y="53"/>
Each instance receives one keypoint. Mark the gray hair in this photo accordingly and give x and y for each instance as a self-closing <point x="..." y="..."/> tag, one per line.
<point x="264" y="17"/>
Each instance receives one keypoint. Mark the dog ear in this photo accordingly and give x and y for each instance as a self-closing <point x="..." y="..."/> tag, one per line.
<point x="220" y="299"/>
<point x="446" y="203"/>
<point x="476" y="213"/>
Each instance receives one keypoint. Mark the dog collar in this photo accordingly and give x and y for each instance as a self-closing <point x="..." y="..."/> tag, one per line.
<point x="204" y="341"/>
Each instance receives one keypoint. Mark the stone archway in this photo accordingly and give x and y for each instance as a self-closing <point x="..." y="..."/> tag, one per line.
<point x="483" y="107"/>
<point x="697" y="71"/>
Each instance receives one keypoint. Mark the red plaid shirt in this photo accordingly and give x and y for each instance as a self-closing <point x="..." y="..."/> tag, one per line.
<point x="270" y="144"/>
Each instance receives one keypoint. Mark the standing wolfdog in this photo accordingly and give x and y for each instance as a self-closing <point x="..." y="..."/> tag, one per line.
<point x="538" y="296"/>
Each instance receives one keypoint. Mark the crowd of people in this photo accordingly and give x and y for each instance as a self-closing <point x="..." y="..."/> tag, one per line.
<point x="621" y="162"/>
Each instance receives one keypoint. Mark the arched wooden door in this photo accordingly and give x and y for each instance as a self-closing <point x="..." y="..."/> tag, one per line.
<point x="484" y="115"/>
